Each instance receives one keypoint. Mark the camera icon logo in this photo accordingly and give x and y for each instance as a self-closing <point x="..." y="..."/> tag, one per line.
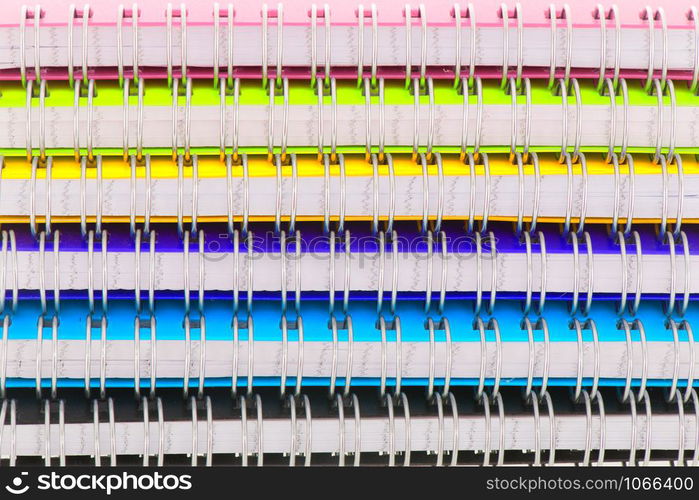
<point x="16" y="487"/>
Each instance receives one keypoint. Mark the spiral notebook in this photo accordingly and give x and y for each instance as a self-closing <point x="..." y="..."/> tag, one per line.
<point x="349" y="234"/>
<point x="119" y="431"/>
<point x="255" y="117"/>
<point x="308" y="350"/>
<point x="270" y="37"/>
<point x="304" y="188"/>
<point x="405" y="262"/>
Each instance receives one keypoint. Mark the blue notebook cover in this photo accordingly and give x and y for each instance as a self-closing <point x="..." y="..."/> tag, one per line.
<point x="315" y="314"/>
<point x="410" y="239"/>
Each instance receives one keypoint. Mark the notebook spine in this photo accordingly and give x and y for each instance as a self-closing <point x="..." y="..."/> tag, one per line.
<point x="154" y="428"/>
<point x="272" y="18"/>
<point x="97" y="359"/>
<point x="423" y="139"/>
<point x="43" y="168"/>
<point x="482" y="246"/>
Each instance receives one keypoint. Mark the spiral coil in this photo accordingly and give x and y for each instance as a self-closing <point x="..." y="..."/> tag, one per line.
<point x="399" y="412"/>
<point x="427" y="136"/>
<point x="397" y="425"/>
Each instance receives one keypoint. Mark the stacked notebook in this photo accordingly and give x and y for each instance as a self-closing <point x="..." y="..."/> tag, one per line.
<point x="349" y="233"/>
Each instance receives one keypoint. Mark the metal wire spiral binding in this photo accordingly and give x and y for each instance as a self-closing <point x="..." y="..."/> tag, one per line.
<point x="695" y="404"/>
<point x="123" y="13"/>
<point x="45" y="318"/>
<point x="504" y="14"/>
<point x="478" y="86"/>
<point x="341" y="434"/>
<point x="229" y="194"/>
<point x="189" y="322"/>
<point x="93" y="322"/>
<point x="85" y="14"/>
<point x="293" y="448"/>
<point x="84" y="163"/>
<point x="573" y="308"/>
<point x="28" y="110"/>
<point x="36" y="16"/>
<point x="182" y="14"/>
<point x="381" y="324"/>
<point x="140" y="88"/>
<point x="49" y="408"/>
<point x="442" y="242"/>
<point x="552" y="426"/>
<point x="370" y="91"/>
<point x="416" y="91"/>
<point x="314" y="43"/>
<point x="687" y="274"/>
<point x="320" y="90"/>
<point x="243" y="404"/>
<point x="3" y="358"/>
<point x="483" y="157"/>
<point x="13" y="426"/>
<point x="3" y="271"/>
<point x="195" y="194"/>
<point x="229" y="14"/>
<point x="196" y="407"/>
<point x="431" y="326"/>
<point x="603" y="15"/>
<point x="481" y="326"/>
<point x="98" y="407"/>
<point x="373" y="12"/>
<point x="638" y="325"/>
<point x="677" y="161"/>
<point x="610" y="86"/>
<point x="90" y="260"/>
<point x="543" y="275"/>
<point x="673" y="393"/>
<point x="285" y="324"/>
<point x="132" y="205"/>
<point x="339" y="404"/>
<point x="248" y="323"/>
<point x="32" y="197"/>
<point x="497" y="398"/>
<point x="579" y="326"/>
<point x="149" y="322"/>
<point x="335" y="326"/>
<point x="42" y="120"/>
<point x="659" y="88"/>
<point x="409" y="15"/>
<point x="479" y="273"/>
<point x="228" y="431"/>
<point x="469" y="13"/>
<point x="251" y="354"/>
<point x="425" y="193"/>
<point x="3" y="417"/>
<point x="561" y="87"/>
<point x="693" y="15"/>
<point x="553" y="15"/>
<point x="77" y="87"/>
<point x="266" y="14"/>
<point x="8" y="235"/>
<point x="673" y="273"/>
<point x="622" y="323"/>
<point x="539" y="324"/>
<point x="146" y="409"/>
<point x="587" y="401"/>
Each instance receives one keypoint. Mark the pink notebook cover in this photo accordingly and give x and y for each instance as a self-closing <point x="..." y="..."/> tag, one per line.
<point x="535" y="13"/>
<point x="390" y="12"/>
